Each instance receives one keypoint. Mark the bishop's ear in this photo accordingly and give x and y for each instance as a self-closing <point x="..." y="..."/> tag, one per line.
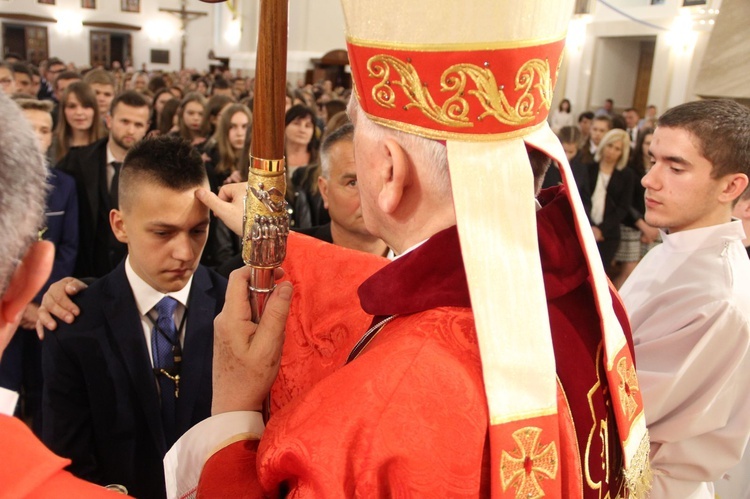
<point x="395" y="176"/>
<point x="29" y="277"/>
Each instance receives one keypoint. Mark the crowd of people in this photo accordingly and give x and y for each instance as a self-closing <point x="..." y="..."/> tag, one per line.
<point x="88" y="121"/>
<point x="145" y="175"/>
<point x="609" y="155"/>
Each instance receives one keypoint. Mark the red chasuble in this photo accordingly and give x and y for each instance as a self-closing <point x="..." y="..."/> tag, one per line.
<point x="408" y="417"/>
<point x="30" y="470"/>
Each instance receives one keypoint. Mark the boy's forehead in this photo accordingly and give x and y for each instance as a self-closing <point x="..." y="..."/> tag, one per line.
<point x="38" y="114"/>
<point x="145" y="189"/>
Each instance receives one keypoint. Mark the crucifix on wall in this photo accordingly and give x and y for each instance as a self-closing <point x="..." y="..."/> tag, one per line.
<point x="185" y="17"/>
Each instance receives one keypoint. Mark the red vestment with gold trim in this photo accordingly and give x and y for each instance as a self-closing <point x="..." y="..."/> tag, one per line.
<point x="408" y="417"/>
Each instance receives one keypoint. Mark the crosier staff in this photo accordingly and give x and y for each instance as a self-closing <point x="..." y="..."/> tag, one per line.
<point x="266" y="221"/>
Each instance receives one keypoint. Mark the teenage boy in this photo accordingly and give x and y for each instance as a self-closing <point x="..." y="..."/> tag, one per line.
<point x="133" y="372"/>
<point x="689" y="299"/>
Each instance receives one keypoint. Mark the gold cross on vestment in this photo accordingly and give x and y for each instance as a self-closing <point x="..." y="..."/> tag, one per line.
<point x="628" y="387"/>
<point x="528" y="464"/>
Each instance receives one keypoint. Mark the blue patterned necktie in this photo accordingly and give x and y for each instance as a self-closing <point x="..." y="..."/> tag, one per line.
<point x="164" y="337"/>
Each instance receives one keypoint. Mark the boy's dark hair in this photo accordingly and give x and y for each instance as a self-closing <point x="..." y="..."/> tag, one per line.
<point x="54" y="61"/>
<point x="67" y="75"/>
<point x="166" y="161"/>
<point x="221" y="84"/>
<point x="129" y="98"/>
<point x="15" y="55"/>
<point x="720" y="131"/>
<point x="586" y="115"/>
<point x="22" y="67"/>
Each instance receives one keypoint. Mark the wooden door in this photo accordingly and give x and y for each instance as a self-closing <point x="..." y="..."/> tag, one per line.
<point x="36" y="44"/>
<point x="643" y="79"/>
<point x="26" y="40"/>
<point x="99" y="47"/>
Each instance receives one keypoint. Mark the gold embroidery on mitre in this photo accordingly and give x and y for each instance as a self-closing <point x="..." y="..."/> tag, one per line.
<point x="628" y="387"/>
<point x="529" y="464"/>
<point x="534" y="77"/>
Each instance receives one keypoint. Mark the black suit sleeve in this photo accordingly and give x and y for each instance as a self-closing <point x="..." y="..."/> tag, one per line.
<point x="619" y="199"/>
<point x="67" y="427"/>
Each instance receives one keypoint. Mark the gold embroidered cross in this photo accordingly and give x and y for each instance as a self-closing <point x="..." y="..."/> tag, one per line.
<point x="628" y="387"/>
<point x="529" y="464"/>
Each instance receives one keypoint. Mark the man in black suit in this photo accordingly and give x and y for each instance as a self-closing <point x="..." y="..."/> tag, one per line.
<point x="338" y="187"/>
<point x="96" y="171"/>
<point x="133" y="372"/>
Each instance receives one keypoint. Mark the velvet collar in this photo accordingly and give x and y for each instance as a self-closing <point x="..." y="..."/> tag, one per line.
<point x="433" y="274"/>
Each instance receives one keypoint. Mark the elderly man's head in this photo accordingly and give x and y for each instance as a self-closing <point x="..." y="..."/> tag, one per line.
<point x="25" y="262"/>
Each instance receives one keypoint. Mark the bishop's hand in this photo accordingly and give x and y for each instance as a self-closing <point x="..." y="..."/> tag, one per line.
<point x="247" y="355"/>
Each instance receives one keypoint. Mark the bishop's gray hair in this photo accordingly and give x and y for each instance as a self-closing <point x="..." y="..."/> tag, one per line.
<point x="23" y="188"/>
<point x="432" y="152"/>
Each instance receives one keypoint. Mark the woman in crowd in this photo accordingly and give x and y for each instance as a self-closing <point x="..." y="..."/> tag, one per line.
<point x="214" y="106"/>
<point x="301" y="150"/>
<point x="570" y="138"/>
<point x="168" y="118"/>
<point x="190" y="118"/>
<point x="161" y="97"/>
<point x="561" y="117"/>
<point x="637" y="237"/>
<point x="78" y="123"/>
<point x="228" y="140"/>
<point x="225" y="164"/>
<point x="300" y="144"/>
<point x="612" y="191"/>
<point x="307" y="193"/>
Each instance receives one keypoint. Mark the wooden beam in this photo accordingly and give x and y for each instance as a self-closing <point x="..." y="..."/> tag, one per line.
<point x="110" y="25"/>
<point x="28" y="18"/>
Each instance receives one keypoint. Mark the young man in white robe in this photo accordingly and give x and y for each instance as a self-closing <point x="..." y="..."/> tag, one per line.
<point x="689" y="299"/>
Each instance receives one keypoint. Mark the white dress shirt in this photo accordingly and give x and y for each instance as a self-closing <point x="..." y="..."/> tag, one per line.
<point x="146" y="298"/>
<point x="689" y="307"/>
<point x="599" y="197"/>
<point x="8" y="401"/>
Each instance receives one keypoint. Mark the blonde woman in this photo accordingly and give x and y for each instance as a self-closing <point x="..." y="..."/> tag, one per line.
<point x="611" y="186"/>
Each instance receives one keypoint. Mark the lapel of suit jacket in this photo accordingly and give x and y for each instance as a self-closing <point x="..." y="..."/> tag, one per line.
<point x="123" y="319"/>
<point x="198" y="347"/>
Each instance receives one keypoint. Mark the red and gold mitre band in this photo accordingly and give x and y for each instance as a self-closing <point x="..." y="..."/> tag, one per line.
<point x="460" y="92"/>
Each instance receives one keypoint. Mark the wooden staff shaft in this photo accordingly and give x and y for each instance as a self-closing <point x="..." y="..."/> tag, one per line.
<point x="266" y="220"/>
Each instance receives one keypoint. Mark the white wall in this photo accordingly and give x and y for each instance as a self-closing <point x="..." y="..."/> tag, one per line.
<point x="315" y="27"/>
<point x="593" y="62"/>
<point x="614" y="62"/>
<point x="159" y="30"/>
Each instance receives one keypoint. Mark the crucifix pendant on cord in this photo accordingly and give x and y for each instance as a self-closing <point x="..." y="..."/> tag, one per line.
<point x="176" y="379"/>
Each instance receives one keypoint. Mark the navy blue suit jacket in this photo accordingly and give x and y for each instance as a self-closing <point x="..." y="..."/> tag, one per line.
<point x="101" y="407"/>
<point x="62" y="225"/>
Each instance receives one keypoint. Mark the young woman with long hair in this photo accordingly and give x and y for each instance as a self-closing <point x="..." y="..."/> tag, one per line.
<point x="235" y="121"/>
<point x="190" y="118"/>
<point x="78" y="121"/>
